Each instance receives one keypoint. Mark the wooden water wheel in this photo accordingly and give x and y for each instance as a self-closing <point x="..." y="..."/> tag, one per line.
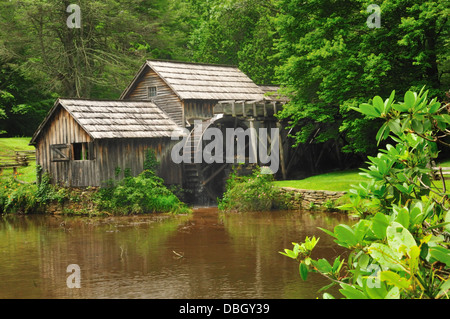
<point x="206" y="176"/>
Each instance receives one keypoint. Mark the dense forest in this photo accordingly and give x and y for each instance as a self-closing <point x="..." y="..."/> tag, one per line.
<point x="326" y="55"/>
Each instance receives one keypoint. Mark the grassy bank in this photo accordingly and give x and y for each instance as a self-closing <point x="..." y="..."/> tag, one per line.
<point x="8" y="146"/>
<point x="335" y="181"/>
<point x="19" y="194"/>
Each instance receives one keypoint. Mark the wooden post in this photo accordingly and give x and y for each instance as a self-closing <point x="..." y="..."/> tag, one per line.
<point x="233" y="109"/>
<point x="253" y="140"/>
<point x="282" y="161"/>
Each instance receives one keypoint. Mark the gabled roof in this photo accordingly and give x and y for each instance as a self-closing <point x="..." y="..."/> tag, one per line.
<point x="196" y="81"/>
<point x="116" y="119"/>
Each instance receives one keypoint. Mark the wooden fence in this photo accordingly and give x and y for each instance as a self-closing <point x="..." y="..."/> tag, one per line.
<point x="441" y="173"/>
<point x="20" y="159"/>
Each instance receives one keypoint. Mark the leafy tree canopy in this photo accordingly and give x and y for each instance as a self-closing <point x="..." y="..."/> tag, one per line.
<point x="331" y="60"/>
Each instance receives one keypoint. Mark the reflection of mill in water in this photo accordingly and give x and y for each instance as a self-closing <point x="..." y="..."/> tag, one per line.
<point x="224" y="255"/>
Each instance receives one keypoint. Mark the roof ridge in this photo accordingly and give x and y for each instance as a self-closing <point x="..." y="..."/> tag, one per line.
<point x="192" y="63"/>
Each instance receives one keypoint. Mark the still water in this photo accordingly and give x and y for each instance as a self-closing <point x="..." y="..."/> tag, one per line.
<point x="207" y="254"/>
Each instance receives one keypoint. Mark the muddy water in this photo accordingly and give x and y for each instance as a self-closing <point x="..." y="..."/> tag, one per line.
<point x="204" y="255"/>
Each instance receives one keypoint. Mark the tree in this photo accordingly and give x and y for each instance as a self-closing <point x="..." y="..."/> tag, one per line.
<point x="96" y="59"/>
<point x="237" y="32"/>
<point x="332" y="61"/>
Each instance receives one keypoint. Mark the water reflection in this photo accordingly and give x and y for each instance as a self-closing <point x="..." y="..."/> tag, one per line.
<point x="204" y="255"/>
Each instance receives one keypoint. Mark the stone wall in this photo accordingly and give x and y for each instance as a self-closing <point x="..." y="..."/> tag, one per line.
<point x="305" y="198"/>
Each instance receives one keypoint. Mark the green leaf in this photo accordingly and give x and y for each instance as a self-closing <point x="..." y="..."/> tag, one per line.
<point x="440" y="254"/>
<point x="323" y="266"/>
<point x="410" y="99"/>
<point x="394" y="279"/>
<point x="328" y="232"/>
<point x="345" y="235"/>
<point x="378" y="104"/>
<point x="394" y="126"/>
<point x="383" y="133"/>
<point x="368" y="110"/>
<point x="402" y="216"/>
<point x="379" y="225"/>
<point x="447" y="220"/>
<point x="363" y="261"/>
<point x="434" y="106"/>
<point x="289" y="253"/>
<point x="375" y="291"/>
<point x="303" y="270"/>
<point x="400" y="107"/>
<point x="444" y="288"/>
<point x="400" y="239"/>
<point x="394" y="293"/>
<point x="417" y="126"/>
<point x="351" y="292"/>
<point x="385" y="256"/>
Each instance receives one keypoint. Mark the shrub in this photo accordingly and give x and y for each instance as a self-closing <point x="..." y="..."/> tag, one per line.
<point x="400" y="246"/>
<point x="144" y="193"/>
<point x="255" y="192"/>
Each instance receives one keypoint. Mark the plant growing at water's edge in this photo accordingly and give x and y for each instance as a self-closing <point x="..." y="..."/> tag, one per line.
<point x="145" y="193"/>
<point x="400" y="246"/>
<point x="254" y="192"/>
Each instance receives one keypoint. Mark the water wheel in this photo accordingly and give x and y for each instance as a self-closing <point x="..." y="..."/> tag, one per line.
<point x="206" y="176"/>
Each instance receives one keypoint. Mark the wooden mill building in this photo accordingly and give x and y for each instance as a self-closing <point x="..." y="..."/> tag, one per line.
<point x="85" y="142"/>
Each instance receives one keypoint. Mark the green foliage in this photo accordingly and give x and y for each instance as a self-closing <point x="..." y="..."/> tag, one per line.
<point x="237" y="32"/>
<point x="20" y="198"/>
<point x="255" y="192"/>
<point x="399" y="248"/>
<point x="144" y="193"/>
<point x="17" y="198"/>
<point x="330" y="61"/>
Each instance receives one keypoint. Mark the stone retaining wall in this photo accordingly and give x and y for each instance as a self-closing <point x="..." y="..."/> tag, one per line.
<point x="305" y="198"/>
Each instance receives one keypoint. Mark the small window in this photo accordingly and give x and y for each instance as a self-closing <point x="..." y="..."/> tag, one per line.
<point x="152" y="91"/>
<point x="82" y="151"/>
<point x="60" y="152"/>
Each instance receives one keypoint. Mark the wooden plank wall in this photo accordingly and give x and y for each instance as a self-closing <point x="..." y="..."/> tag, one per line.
<point x="198" y="109"/>
<point x="63" y="129"/>
<point x="166" y="99"/>
<point x="130" y="154"/>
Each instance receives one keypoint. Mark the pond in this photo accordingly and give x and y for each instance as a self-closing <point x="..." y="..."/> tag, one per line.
<point x="207" y="254"/>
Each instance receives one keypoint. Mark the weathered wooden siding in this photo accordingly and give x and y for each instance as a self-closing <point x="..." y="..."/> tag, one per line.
<point x="63" y="129"/>
<point x="129" y="154"/>
<point x="198" y="109"/>
<point x="166" y="99"/>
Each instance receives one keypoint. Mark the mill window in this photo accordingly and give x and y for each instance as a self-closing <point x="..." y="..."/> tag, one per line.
<point x="152" y="91"/>
<point x="82" y="151"/>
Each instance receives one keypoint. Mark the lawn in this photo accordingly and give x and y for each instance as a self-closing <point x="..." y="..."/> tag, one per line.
<point x="335" y="181"/>
<point x="7" y="148"/>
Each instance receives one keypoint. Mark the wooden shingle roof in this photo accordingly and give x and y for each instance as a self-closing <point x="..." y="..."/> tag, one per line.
<point x="117" y="119"/>
<point x="196" y="81"/>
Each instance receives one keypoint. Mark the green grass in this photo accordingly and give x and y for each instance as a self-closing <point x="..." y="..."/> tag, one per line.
<point x="338" y="181"/>
<point x="335" y="181"/>
<point x="7" y="148"/>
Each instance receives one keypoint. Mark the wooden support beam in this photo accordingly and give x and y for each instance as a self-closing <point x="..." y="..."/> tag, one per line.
<point x="282" y="160"/>
<point x="215" y="174"/>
